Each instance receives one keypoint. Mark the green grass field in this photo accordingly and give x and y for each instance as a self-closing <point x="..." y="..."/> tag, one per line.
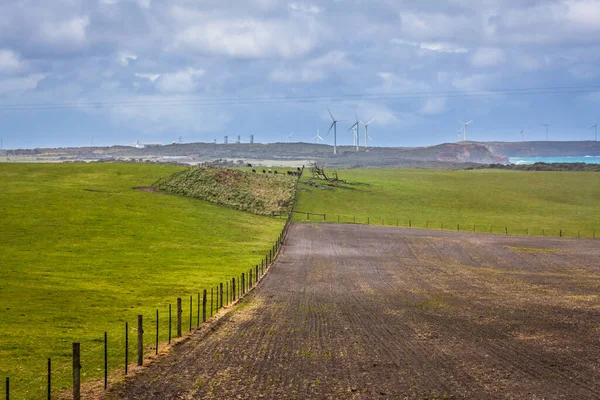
<point x="81" y="253"/>
<point x="524" y="202"/>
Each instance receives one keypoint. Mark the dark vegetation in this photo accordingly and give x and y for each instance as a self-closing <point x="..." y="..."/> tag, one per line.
<point x="263" y="194"/>
<point x="540" y="166"/>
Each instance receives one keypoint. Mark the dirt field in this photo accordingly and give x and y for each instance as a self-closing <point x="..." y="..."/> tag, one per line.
<point x="359" y="312"/>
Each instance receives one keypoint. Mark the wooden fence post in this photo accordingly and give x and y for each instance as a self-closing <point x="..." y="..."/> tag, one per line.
<point x="250" y="279"/>
<point x="140" y="344"/>
<point x="170" y="323"/>
<point x="126" y="346"/>
<point x="105" y="363"/>
<point x="233" y="288"/>
<point x="243" y="285"/>
<point x="156" y="344"/>
<point x="204" y="306"/>
<point x="198" y="312"/>
<point x="179" y="312"/>
<point x="221" y="293"/>
<point x="76" y="371"/>
<point x="191" y="297"/>
<point x="50" y="379"/>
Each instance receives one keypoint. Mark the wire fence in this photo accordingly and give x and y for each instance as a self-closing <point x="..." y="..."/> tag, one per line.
<point x="98" y="362"/>
<point x="445" y="226"/>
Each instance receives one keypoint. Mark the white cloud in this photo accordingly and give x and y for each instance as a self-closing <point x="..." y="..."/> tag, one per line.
<point x="71" y="31"/>
<point x="125" y="58"/>
<point x="487" y="57"/>
<point x="473" y="82"/>
<point x="584" y="13"/>
<point x="168" y="119"/>
<point x="9" y="61"/>
<point x="394" y="83"/>
<point x="144" y="3"/>
<point x="249" y="38"/>
<point x="314" y="70"/>
<point x="185" y="81"/>
<point x="439" y="47"/>
<point x="528" y="62"/>
<point x="21" y="84"/>
<point x="434" y="106"/>
<point x="305" y="8"/>
<point x="151" y="77"/>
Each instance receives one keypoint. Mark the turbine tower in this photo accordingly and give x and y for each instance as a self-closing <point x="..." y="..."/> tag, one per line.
<point x="522" y="135"/>
<point x="546" y="125"/>
<point x="367" y="137"/>
<point x="355" y="129"/>
<point x="334" y="126"/>
<point x="289" y="136"/>
<point x="464" y="129"/>
<point x="595" y="126"/>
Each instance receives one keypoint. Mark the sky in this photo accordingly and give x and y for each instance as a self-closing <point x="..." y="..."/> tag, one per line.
<point x="107" y="72"/>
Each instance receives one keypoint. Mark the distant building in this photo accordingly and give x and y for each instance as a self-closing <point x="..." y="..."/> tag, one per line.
<point x="139" y="145"/>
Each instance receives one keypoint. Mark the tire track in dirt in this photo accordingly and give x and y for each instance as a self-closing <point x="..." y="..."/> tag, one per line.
<point x="363" y="312"/>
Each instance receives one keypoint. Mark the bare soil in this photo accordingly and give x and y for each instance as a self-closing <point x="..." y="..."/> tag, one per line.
<point x="363" y="312"/>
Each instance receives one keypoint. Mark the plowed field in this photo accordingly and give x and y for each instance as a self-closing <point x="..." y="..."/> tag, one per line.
<point x="362" y="312"/>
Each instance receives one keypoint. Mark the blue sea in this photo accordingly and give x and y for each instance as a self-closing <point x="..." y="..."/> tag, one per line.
<point x="532" y="160"/>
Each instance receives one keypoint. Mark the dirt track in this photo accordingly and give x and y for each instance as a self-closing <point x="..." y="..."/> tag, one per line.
<point x="353" y="311"/>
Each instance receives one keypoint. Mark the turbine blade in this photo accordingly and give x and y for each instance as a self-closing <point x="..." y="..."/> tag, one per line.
<point x="370" y="121"/>
<point x="330" y="113"/>
<point x="469" y="122"/>
<point x="331" y="127"/>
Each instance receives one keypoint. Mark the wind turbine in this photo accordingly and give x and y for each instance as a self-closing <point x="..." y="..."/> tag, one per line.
<point x="367" y="137"/>
<point x="595" y="126"/>
<point x="522" y="135"/>
<point x="464" y="129"/>
<point x="289" y="136"/>
<point x="458" y="135"/>
<point x="355" y="129"/>
<point x="546" y="125"/>
<point x="318" y="137"/>
<point x="334" y="126"/>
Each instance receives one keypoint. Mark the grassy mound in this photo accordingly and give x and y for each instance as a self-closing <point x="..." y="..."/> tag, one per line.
<point x="257" y="193"/>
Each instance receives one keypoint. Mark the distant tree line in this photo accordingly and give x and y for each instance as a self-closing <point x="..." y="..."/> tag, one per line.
<point x="541" y="166"/>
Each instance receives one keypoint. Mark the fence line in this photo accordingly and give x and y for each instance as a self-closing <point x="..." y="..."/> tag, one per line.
<point x="433" y="225"/>
<point x="223" y="298"/>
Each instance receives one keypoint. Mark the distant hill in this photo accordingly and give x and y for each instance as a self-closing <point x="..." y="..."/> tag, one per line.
<point x="446" y="156"/>
<point x="544" y="149"/>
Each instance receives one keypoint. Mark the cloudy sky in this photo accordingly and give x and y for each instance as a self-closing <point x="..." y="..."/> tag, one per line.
<point x="117" y="71"/>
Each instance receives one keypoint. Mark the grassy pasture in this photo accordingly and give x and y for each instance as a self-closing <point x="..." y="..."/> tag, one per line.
<point x="81" y="253"/>
<point x="524" y="202"/>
